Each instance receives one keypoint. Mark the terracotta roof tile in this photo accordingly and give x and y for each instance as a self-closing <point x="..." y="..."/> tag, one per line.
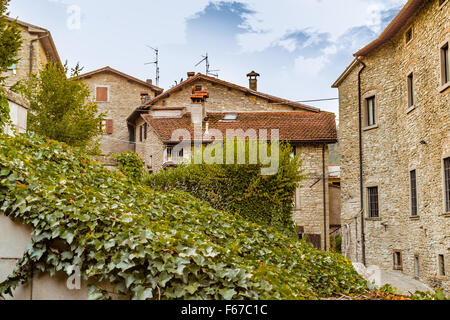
<point x="293" y="126"/>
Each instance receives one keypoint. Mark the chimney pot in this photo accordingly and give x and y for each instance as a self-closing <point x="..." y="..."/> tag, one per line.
<point x="149" y="81"/>
<point x="253" y="80"/>
<point x="190" y="75"/>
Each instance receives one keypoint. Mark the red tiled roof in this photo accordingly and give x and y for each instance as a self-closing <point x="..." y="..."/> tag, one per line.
<point x="200" y="76"/>
<point x="297" y="126"/>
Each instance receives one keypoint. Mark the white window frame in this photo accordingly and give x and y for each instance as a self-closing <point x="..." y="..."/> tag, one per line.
<point x="442" y="72"/>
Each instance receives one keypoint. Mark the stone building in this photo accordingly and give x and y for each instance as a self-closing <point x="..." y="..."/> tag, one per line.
<point x="394" y="134"/>
<point x="36" y="51"/>
<point x="220" y="105"/>
<point x="117" y="95"/>
<point x="18" y="112"/>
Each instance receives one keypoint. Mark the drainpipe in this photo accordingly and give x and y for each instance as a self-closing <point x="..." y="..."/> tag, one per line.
<point x="324" y="198"/>
<point x="32" y="50"/>
<point x="361" y="171"/>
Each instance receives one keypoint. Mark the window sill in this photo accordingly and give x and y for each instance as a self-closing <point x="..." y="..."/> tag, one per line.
<point x="414" y="217"/>
<point x="444" y="87"/>
<point x="446" y="214"/>
<point x="375" y="126"/>
<point x="373" y="219"/>
<point x="410" y="109"/>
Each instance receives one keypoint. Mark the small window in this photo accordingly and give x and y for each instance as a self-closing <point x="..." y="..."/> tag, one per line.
<point x="417" y="267"/>
<point x="198" y="88"/>
<point x="413" y="185"/>
<point x="101" y="94"/>
<point x="373" y="202"/>
<point x="441" y="261"/>
<point x="411" y="90"/>
<point x="371" y="111"/>
<point x="398" y="263"/>
<point x="109" y="126"/>
<point x="409" y="35"/>
<point x="145" y="131"/>
<point x="141" y="133"/>
<point x="445" y="64"/>
<point x="447" y="184"/>
<point x="230" y="117"/>
<point x="168" y="154"/>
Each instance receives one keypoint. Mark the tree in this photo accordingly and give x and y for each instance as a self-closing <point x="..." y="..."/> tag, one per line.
<point x="60" y="107"/>
<point x="10" y="42"/>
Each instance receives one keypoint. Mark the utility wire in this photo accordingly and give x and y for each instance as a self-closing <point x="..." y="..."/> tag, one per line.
<point x="318" y="100"/>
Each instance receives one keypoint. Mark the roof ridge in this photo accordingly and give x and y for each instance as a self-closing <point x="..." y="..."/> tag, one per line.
<point x="230" y="84"/>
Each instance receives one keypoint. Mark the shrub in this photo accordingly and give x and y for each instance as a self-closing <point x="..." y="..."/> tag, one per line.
<point x="149" y="244"/>
<point x="131" y="165"/>
<point x="240" y="188"/>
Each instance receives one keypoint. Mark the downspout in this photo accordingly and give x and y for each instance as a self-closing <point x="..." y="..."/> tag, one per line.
<point x="32" y="50"/>
<point x="361" y="171"/>
<point x="324" y="198"/>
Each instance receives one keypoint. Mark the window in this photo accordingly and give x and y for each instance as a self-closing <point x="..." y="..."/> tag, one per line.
<point x="370" y="104"/>
<point x="145" y="131"/>
<point x="398" y="263"/>
<point x="230" y="117"/>
<point x="101" y="94"/>
<point x="411" y="90"/>
<point x="409" y="35"/>
<point x="417" y="266"/>
<point x="441" y="261"/>
<point x="373" y="202"/>
<point x="109" y="126"/>
<point x="413" y="185"/>
<point x="198" y="88"/>
<point x="447" y="184"/>
<point x="445" y="64"/>
<point x="168" y="154"/>
<point x="141" y="134"/>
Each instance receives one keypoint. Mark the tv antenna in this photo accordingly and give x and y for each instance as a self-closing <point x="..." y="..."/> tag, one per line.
<point x="156" y="63"/>
<point x="208" y="71"/>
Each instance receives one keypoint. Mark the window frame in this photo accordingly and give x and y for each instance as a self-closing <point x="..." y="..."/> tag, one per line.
<point x="441" y="265"/>
<point x="446" y="184"/>
<point x="410" y="29"/>
<point x="444" y="65"/>
<point x="369" y="199"/>
<point x="367" y="124"/>
<point x="107" y="93"/>
<point x="398" y="260"/>
<point x="410" y="89"/>
<point x="414" y="214"/>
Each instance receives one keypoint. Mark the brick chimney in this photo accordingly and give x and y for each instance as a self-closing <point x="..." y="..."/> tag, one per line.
<point x="253" y="80"/>
<point x="190" y="75"/>
<point x="149" y="81"/>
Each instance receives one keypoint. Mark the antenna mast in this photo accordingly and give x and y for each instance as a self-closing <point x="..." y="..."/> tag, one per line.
<point x="208" y="71"/>
<point x="156" y="63"/>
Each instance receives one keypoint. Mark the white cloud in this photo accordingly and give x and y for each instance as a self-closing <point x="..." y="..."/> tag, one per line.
<point x="310" y="66"/>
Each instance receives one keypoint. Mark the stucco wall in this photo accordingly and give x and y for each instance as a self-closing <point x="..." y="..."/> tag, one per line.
<point x="393" y="148"/>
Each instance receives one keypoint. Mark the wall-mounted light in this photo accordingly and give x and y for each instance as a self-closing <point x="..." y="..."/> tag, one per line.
<point x="423" y="142"/>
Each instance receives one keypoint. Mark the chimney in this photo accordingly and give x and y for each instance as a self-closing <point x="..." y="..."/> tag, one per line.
<point x="253" y="80"/>
<point x="190" y="75"/>
<point x="149" y="81"/>
<point x="145" y="97"/>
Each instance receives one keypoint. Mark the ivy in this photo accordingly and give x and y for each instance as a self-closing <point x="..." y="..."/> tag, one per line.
<point x="149" y="244"/>
<point x="131" y="165"/>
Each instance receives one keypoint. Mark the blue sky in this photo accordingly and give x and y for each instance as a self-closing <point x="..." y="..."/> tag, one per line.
<point x="298" y="46"/>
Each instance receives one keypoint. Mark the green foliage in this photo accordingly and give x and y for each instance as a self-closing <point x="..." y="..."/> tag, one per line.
<point x="131" y="165"/>
<point x="10" y="42"/>
<point x="336" y="244"/>
<point x="59" y="106"/>
<point x="148" y="244"/>
<point x="240" y="188"/>
<point x="437" y="295"/>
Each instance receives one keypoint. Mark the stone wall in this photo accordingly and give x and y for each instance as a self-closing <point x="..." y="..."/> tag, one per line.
<point x="23" y="65"/>
<point x="124" y="98"/>
<point x="309" y="203"/>
<point x="221" y="98"/>
<point x="404" y="139"/>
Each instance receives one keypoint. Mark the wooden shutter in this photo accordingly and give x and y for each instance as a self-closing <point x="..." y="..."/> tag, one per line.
<point x="109" y="126"/>
<point x="102" y="94"/>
